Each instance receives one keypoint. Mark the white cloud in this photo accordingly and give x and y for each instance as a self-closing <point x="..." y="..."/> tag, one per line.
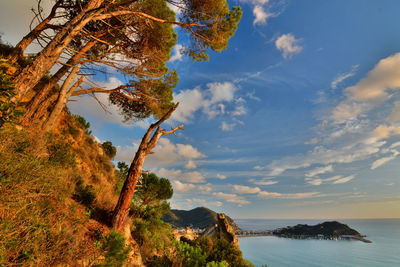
<point x="165" y="153"/>
<point x="190" y="165"/>
<point x="221" y="176"/>
<point x="232" y="198"/>
<point x="259" y="168"/>
<point x="349" y="136"/>
<point x="252" y="96"/>
<point x="344" y="76"/>
<point x="315" y="182"/>
<point x="242" y="189"/>
<point x="349" y="110"/>
<point x="288" y="45"/>
<point x="344" y="180"/>
<point x="319" y="170"/>
<point x="190" y="101"/>
<point x="210" y="101"/>
<point x="173" y="174"/>
<point x="264" y="181"/>
<point x="239" y="111"/>
<point x="265" y="194"/>
<point x="222" y="92"/>
<point x="260" y="11"/>
<point x="180" y="187"/>
<point x="227" y="126"/>
<point x="312" y="141"/>
<point x="359" y="150"/>
<point x="379" y="162"/>
<point x="186" y="151"/>
<point x="199" y="201"/>
<point x="176" y="53"/>
<point x="385" y="131"/>
<point x="394" y="145"/>
<point x="261" y="15"/>
<point x="380" y="81"/>
<point x="319" y="181"/>
<point x="371" y="91"/>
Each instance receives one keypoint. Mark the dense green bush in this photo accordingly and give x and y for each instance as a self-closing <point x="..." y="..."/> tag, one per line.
<point x="190" y="255"/>
<point x="109" y="149"/>
<point x="82" y="123"/>
<point x="115" y="250"/>
<point x="84" y="194"/>
<point x="8" y="112"/>
<point x="219" y="250"/>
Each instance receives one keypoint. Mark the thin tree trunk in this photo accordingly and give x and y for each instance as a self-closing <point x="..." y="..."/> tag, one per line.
<point x="32" y="35"/>
<point x="40" y="97"/>
<point x="121" y="210"/>
<point x="62" y="99"/>
<point x="42" y="112"/>
<point x="43" y="62"/>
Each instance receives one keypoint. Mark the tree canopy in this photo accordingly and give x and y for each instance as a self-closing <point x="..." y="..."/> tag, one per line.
<point x="135" y="38"/>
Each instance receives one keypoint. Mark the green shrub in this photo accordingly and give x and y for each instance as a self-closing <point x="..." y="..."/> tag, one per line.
<point x="217" y="264"/>
<point x="8" y="112"/>
<point x="190" y="255"/>
<point x="219" y="250"/>
<point x="115" y="251"/>
<point x="89" y="140"/>
<point x="72" y="130"/>
<point x="84" y="194"/>
<point x="60" y="152"/>
<point x="109" y="149"/>
<point x="82" y="123"/>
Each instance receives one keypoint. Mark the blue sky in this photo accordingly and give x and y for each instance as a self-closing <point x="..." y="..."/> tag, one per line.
<point x="298" y="118"/>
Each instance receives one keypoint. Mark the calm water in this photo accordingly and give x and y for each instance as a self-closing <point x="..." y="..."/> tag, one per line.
<point x="383" y="251"/>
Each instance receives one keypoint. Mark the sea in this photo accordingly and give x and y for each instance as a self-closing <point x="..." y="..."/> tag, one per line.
<point x="273" y="251"/>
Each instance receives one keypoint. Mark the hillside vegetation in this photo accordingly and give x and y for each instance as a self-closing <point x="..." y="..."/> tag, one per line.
<point x="52" y="188"/>
<point x="58" y="192"/>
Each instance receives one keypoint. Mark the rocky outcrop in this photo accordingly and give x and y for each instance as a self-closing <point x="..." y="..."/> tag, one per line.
<point x="222" y="229"/>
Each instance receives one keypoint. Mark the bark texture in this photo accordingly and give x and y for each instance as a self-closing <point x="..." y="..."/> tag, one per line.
<point x="62" y="99"/>
<point x="43" y="62"/>
<point x="33" y="34"/>
<point x="42" y="97"/>
<point x="149" y="141"/>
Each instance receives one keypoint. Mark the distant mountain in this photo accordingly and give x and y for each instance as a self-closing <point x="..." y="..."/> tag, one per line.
<point x="196" y="218"/>
<point x="327" y="229"/>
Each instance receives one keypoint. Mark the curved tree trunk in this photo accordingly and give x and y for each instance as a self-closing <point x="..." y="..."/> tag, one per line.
<point x="121" y="210"/>
<point x="43" y="62"/>
<point x="40" y="97"/>
<point x="33" y="34"/>
<point x="62" y="99"/>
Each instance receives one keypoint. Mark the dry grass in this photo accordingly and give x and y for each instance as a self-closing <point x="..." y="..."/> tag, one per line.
<point x="40" y="223"/>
